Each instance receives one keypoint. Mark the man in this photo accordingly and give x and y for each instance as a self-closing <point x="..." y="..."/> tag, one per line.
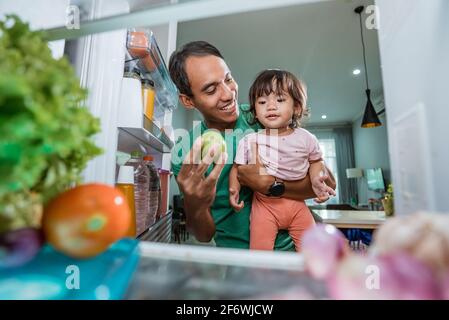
<point x="205" y="83"/>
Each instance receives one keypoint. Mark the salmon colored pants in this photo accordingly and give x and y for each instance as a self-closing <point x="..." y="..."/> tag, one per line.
<point x="269" y="215"/>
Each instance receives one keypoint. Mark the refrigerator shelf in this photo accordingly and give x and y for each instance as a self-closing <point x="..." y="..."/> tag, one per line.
<point x="184" y="272"/>
<point x="160" y="231"/>
<point x="148" y="135"/>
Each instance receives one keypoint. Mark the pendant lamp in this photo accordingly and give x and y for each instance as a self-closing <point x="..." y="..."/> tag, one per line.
<point x="370" y="118"/>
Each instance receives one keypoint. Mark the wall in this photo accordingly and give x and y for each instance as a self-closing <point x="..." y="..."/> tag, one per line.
<point x="414" y="48"/>
<point x="371" y="151"/>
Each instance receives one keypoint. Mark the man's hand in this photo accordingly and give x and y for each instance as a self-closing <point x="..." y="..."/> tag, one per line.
<point x="254" y="174"/>
<point x="199" y="191"/>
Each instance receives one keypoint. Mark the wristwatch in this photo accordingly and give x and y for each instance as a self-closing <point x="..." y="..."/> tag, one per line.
<point x="277" y="189"/>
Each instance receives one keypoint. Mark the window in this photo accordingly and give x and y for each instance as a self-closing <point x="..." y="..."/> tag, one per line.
<point x="330" y="158"/>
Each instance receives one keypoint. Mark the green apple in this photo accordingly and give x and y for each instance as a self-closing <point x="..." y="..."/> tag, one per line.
<point x="210" y="138"/>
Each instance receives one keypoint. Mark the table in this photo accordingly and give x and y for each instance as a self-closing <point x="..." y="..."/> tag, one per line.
<point x="352" y="218"/>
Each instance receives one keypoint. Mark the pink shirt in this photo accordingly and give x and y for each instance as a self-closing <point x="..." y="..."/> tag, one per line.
<point x="285" y="157"/>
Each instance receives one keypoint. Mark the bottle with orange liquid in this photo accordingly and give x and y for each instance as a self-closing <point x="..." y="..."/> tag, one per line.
<point x="148" y="95"/>
<point x="125" y="183"/>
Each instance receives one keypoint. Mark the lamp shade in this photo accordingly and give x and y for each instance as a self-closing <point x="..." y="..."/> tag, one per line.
<point x="354" y="173"/>
<point x="370" y="118"/>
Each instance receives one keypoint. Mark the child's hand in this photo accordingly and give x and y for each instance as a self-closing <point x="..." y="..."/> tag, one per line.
<point x="234" y="199"/>
<point x="322" y="190"/>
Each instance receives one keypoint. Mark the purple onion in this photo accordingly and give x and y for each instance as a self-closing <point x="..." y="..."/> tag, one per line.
<point x="350" y="279"/>
<point x="323" y="247"/>
<point x="411" y="279"/>
<point x="393" y="276"/>
<point x="19" y="246"/>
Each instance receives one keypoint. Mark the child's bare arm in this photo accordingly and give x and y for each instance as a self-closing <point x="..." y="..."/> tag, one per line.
<point x="234" y="189"/>
<point x="316" y="168"/>
<point x="318" y="175"/>
<point x="233" y="180"/>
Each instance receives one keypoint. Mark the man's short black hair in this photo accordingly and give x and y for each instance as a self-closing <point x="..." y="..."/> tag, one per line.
<point x="176" y="65"/>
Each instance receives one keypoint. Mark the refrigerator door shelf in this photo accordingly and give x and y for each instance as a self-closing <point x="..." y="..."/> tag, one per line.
<point x="133" y="124"/>
<point x="148" y="136"/>
<point x="143" y="48"/>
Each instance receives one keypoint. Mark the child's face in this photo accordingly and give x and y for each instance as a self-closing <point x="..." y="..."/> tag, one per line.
<point x="275" y="111"/>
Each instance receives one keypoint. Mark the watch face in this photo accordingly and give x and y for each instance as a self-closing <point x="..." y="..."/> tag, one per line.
<point x="277" y="189"/>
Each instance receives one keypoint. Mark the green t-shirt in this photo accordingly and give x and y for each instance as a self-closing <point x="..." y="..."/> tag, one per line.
<point x="232" y="228"/>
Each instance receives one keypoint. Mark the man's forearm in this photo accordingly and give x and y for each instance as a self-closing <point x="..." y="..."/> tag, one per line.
<point x="299" y="190"/>
<point x="199" y="222"/>
<point x="330" y="180"/>
<point x="302" y="189"/>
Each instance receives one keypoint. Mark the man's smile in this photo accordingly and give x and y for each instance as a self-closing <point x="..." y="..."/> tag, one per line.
<point x="229" y="107"/>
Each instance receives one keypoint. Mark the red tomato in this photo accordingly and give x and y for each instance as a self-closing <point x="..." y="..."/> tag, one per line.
<point x="84" y="221"/>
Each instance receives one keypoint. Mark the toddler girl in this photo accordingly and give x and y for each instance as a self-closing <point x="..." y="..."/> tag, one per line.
<point x="288" y="152"/>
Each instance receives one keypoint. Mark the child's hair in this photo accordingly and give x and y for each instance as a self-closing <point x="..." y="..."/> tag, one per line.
<point x="279" y="81"/>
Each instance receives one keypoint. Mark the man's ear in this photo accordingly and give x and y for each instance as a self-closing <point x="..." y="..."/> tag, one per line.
<point x="187" y="101"/>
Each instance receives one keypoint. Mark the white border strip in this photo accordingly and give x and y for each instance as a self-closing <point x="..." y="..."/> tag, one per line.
<point x="291" y="261"/>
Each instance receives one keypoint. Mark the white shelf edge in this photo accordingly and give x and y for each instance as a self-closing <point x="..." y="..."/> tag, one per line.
<point x="291" y="261"/>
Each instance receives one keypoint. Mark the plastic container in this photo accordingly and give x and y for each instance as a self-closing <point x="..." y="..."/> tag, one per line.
<point x="141" y="186"/>
<point x="125" y="183"/>
<point x="138" y="44"/>
<point x="148" y="95"/>
<point x="154" y="191"/>
<point x="51" y="275"/>
<point x="130" y="114"/>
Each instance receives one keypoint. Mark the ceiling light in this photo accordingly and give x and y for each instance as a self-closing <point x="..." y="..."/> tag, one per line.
<point x="323" y="116"/>
<point x="356" y="72"/>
